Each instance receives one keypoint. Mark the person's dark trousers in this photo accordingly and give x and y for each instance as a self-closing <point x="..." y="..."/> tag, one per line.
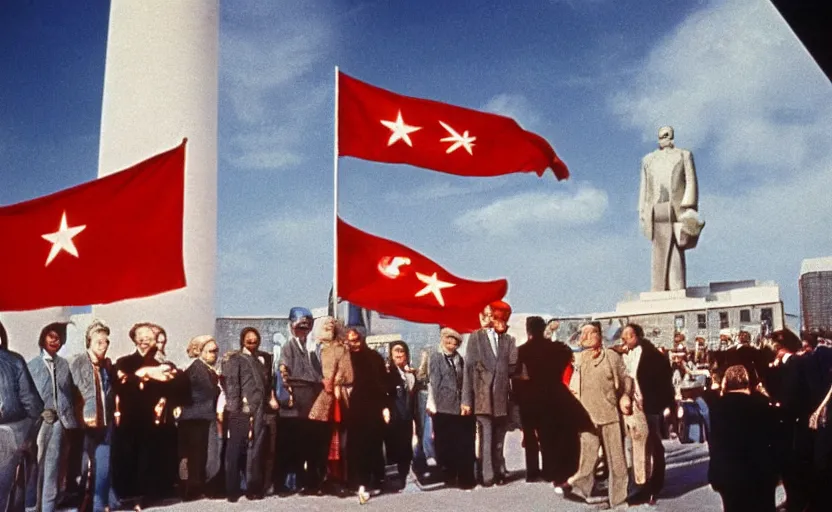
<point x="193" y="443"/>
<point x="270" y="462"/>
<point x="288" y="473"/>
<point x="800" y="480"/>
<point x="243" y="453"/>
<point x="566" y="451"/>
<point x="655" y="482"/>
<point x="365" y="456"/>
<point x="168" y="446"/>
<point x="759" y="499"/>
<point x="454" y="442"/>
<point x="398" y="442"/>
<point x="136" y="466"/>
<point x="75" y="439"/>
<point x="315" y="438"/>
<point x="531" y="426"/>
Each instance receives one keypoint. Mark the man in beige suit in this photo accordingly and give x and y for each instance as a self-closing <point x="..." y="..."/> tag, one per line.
<point x="606" y="393"/>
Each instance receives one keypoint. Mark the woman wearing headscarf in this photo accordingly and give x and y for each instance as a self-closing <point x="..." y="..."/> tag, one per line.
<point x="401" y="385"/>
<point x="332" y="402"/>
<point x="198" y="413"/>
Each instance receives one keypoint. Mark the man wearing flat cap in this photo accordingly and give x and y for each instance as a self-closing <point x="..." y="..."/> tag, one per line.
<point x="490" y="358"/>
<point x="454" y="430"/>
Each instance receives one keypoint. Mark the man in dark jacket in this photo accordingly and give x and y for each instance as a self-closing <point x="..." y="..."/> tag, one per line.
<point x="742" y="466"/>
<point x="652" y="377"/>
<point x="20" y="416"/>
<point x="368" y="413"/>
<point x="782" y="381"/>
<point x="541" y="363"/>
<point x="247" y="391"/>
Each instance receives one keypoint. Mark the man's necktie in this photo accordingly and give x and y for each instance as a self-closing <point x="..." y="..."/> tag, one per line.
<point x="99" y="400"/>
<point x="52" y="369"/>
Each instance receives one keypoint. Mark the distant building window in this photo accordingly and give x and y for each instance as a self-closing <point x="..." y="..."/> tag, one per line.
<point x="679" y="322"/>
<point x="766" y="314"/>
<point x="701" y="321"/>
<point x="745" y="315"/>
<point x="723" y="319"/>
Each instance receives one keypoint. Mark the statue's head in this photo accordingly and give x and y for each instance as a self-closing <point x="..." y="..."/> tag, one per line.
<point x="666" y="137"/>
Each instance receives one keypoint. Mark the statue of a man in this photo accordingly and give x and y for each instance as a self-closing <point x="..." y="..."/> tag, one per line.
<point x="668" y="206"/>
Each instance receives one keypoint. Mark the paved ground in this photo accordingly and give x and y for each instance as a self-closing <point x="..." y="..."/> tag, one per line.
<point x="686" y="490"/>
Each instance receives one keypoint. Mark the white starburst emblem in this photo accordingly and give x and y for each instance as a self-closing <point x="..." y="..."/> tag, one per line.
<point x="465" y="140"/>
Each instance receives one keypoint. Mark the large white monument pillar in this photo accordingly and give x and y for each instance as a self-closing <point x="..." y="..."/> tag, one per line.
<point x="161" y="85"/>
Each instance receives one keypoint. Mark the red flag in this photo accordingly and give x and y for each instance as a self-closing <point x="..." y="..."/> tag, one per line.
<point x="376" y="124"/>
<point x="392" y="279"/>
<point x="106" y="240"/>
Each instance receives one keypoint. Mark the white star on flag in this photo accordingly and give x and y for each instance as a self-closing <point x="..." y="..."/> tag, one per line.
<point x="458" y="140"/>
<point x="62" y="240"/>
<point x="434" y="286"/>
<point x="400" y="130"/>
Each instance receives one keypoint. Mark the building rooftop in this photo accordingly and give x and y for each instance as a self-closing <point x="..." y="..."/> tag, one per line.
<point x="816" y="265"/>
<point x="724" y="294"/>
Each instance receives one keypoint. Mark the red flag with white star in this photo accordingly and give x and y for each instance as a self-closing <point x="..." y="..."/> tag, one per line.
<point x="114" y="238"/>
<point x="392" y="279"/>
<point x="380" y="125"/>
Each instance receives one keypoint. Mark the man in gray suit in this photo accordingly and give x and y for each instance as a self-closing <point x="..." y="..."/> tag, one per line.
<point x="53" y="380"/>
<point x="247" y="392"/>
<point x="490" y="360"/>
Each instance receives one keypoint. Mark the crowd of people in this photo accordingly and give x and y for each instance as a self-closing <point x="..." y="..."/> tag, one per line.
<point x="329" y="415"/>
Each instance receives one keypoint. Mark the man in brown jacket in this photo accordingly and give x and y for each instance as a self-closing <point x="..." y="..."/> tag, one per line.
<point x="606" y="393"/>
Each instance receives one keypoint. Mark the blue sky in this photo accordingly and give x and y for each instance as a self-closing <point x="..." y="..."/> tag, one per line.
<point x="595" y="77"/>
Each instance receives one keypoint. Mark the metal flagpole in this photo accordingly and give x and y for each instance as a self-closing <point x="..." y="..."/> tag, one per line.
<point x="335" y="207"/>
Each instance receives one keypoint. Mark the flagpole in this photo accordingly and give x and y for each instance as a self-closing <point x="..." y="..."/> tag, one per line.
<point x="335" y="206"/>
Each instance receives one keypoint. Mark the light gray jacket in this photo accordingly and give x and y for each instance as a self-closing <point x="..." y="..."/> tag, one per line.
<point x="42" y="377"/>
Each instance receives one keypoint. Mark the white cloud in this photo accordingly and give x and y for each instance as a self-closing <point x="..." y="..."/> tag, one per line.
<point x="733" y="74"/>
<point x="441" y="189"/>
<point x="585" y="205"/>
<point x="515" y="106"/>
<point x="271" y="83"/>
